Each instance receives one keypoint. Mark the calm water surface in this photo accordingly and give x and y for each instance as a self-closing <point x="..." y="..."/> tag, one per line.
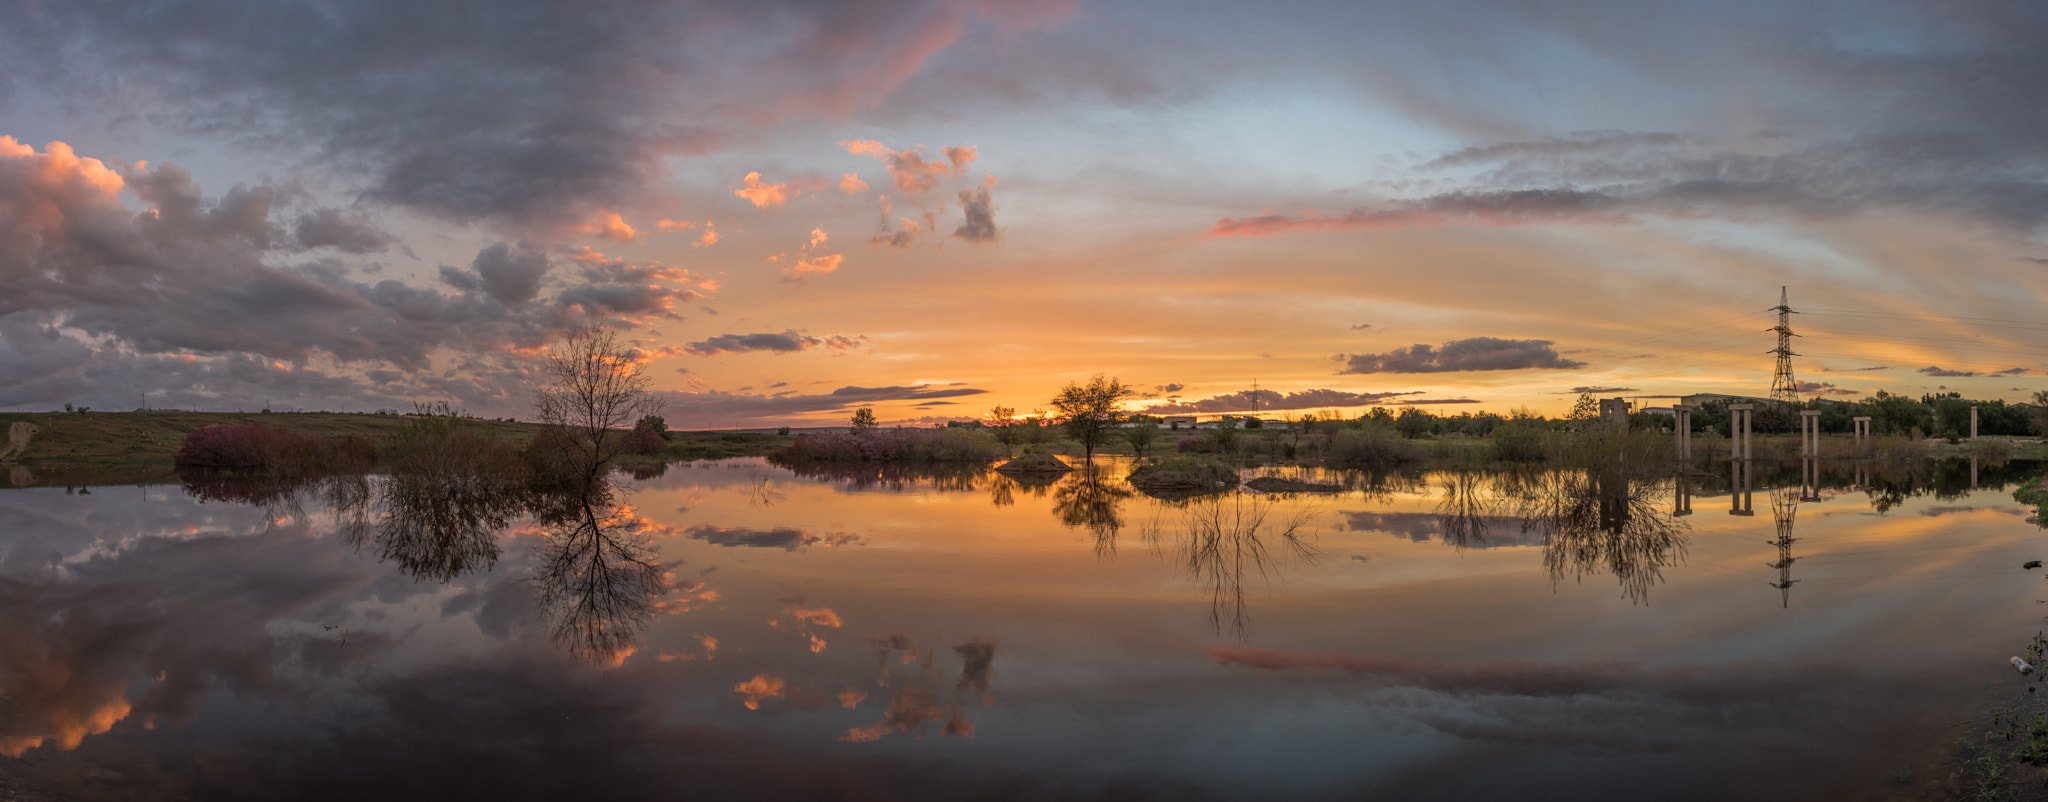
<point x="878" y="635"/>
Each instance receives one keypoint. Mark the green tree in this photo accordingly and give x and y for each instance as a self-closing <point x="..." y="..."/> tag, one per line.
<point x="1090" y="410"/>
<point x="863" y="419"/>
<point x="1004" y="421"/>
<point x="1584" y="412"/>
<point x="2041" y="412"/>
<point x="1144" y="430"/>
<point x="653" y="423"/>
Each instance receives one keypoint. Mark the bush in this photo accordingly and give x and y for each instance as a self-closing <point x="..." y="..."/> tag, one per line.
<point x="646" y="440"/>
<point x="1518" y="441"/>
<point x="1368" y="447"/>
<point x="896" y="445"/>
<point x="1183" y="473"/>
<point x="1197" y="444"/>
<point x="254" y="447"/>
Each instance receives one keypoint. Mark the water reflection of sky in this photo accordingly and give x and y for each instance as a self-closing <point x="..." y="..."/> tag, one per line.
<point x="954" y="637"/>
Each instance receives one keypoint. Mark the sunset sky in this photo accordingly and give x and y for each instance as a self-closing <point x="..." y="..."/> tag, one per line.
<point x="933" y="208"/>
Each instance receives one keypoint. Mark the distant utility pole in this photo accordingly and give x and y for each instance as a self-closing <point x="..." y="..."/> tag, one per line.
<point x="1783" y="388"/>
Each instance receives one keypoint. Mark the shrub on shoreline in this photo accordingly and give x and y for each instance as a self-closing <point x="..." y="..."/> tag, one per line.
<point x="895" y="445"/>
<point x="1370" y="446"/>
<point x="255" y="447"/>
<point x="1183" y="473"/>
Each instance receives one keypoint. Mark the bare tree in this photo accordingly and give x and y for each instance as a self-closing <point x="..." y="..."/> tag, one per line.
<point x="596" y="386"/>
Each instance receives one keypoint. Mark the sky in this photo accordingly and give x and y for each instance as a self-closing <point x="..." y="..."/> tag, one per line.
<point x="933" y="208"/>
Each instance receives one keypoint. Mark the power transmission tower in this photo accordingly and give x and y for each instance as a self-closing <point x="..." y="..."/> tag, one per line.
<point x="1783" y="388"/>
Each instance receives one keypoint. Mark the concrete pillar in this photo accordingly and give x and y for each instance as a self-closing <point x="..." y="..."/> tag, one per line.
<point x="1681" y="414"/>
<point x="1739" y="499"/>
<point x="1862" y="428"/>
<point x="1809" y="432"/>
<point x="1614" y="411"/>
<point x="1809" y="480"/>
<point x="1738" y="429"/>
<point x="1973" y="423"/>
<point x="1681" y="496"/>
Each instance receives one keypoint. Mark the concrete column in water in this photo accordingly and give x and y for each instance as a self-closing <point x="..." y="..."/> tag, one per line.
<point x="1973" y="423"/>
<point x="1809" y="432"/>
<point x="1862" y="428"/>
<point x="1681" y="416"/>
<point x="1738" y="429"/>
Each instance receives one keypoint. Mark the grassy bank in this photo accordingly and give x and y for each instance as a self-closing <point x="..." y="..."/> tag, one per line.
<point x="136" y="447"/>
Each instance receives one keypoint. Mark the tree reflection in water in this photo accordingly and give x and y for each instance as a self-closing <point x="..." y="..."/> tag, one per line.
<point x="1224" y="540"/>
<point x="438" y="519"/>
<point x="1093" y="500"/>
<point x="1468" y="509"/>
<point x="1599" y="519"/>
<point x="597" y="574"/>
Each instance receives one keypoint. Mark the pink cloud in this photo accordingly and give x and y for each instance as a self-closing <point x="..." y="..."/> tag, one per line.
<point x="609" y="225"/>
<point x="852" y="185"/>
<point x="912" y="171"/>
<point x="763" y="195"/>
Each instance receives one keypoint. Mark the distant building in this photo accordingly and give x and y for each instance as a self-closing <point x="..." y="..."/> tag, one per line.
<point x="1696" y="400"/>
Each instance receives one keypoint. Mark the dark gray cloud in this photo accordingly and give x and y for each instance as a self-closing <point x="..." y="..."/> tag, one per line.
<point x="1937" y="370"/>
<point x="1435" y="401"/>
<point x="1854" y="370"/>
<point x="783" y="538"/>
<point x="1475" y="353"/>
<point x="346" y="231"/>
<point x="512" y="276"/>
<point x="535" y="114"/>
<point x="980" y="211"/>
<point x="977" y="666"/>
<point x="1599" y="390"/>
<point x="1272" y="400"/>
<point x="785" y="342"/>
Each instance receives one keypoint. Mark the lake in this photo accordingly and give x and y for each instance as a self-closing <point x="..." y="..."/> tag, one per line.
<point x="876" y="633"/>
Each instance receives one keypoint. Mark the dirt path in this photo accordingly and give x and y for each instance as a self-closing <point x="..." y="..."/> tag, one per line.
<point x="18" y="436"/>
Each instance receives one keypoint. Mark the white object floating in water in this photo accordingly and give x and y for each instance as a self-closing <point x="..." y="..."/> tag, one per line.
<point x="2022" y="666"/>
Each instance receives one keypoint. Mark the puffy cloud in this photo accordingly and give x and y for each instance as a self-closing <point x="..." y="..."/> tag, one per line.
<point x="143" y="298"/>
<point x="762" y="195"/>
<point x="852" y="185"/>
<point x="1474" y="353"/>
<point x="511" y="276"/>
<point x="800" y="271"/>
<point x="609" y="225"/>
<point x="1273" y="400"/>
<point x="784" y="342"/>
<point x="761" y="688"/>
<point x="911" y="170"/>
<point x="980" y="212"/>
